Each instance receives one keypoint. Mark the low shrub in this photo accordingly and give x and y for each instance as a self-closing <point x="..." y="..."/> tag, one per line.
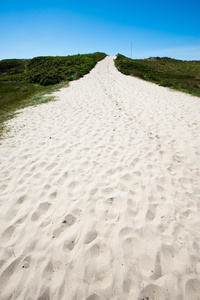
<point x="52" y="70"/>
<point x="48" y="70"/>
<point x="168" y="72"/>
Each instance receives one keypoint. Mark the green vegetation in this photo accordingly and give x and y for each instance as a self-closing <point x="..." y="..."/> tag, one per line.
<point x="24" y="82"/>
<point x="52" y="70"/>
<point x="48" y="70"/>
<point x="177" y="74"/>
<point x="17" y="95"/>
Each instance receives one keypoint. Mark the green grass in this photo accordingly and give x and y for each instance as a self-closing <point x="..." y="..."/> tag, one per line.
<point x="24" y="82"/>
<point x="18" y="95"/>
<point x="9" y="67"/>
<point x="177" y="74"/>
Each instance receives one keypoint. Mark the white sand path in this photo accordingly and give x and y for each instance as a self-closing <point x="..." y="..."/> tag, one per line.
<point x="100" y="194"/>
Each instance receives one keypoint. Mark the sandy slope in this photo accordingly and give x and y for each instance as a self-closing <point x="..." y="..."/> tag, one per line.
<point x="100" y="194"/>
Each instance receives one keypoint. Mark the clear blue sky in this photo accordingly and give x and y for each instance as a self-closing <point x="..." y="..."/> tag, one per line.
<point x="155" y="28"/>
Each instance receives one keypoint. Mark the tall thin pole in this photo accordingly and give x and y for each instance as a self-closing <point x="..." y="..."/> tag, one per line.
<point x="131" y="49"/>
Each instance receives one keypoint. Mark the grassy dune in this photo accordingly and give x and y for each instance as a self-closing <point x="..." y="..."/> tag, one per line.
<point x="177" y="74"/>
<point x="23" y="82"/>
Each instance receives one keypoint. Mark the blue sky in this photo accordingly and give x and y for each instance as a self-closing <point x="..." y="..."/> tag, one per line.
<point x="155" y="28"/>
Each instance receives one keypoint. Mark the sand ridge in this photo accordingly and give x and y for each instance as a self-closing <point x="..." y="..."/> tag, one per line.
<point x="100" y="193"/>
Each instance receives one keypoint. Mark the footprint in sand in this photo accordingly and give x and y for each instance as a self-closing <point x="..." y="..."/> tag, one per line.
<point x="151" y="292"/>
<point x="63" y="178"/>
<point x="93" y="297"/>
<point x="69" y="243"/>
<point x="90" y="236"/>
<point x="193" y="288"/>
<point x="42" y="208"/>
<point x="8" y="233"/>
<point x="21" y="199"/>
<point x="151" y="212"/>
<point x="68" y="221"/>
<point x="6" y="275"/>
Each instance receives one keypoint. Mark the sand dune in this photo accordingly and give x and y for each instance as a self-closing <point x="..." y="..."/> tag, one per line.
<point x="100" y="194"/>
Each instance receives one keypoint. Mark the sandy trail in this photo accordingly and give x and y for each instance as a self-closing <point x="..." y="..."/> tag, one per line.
<point x="100" y="194"/>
